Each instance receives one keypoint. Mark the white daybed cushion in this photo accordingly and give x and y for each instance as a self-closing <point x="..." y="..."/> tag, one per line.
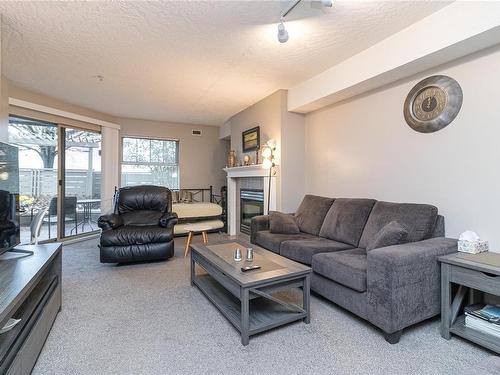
<point x="181" y="228"/>
<point x="198" y="209"/>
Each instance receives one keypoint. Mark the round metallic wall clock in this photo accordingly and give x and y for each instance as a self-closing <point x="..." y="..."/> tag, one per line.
<point x="433" y="103"/>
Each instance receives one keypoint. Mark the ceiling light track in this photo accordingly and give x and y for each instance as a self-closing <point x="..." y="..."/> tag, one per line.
<point x="282" y="32"/>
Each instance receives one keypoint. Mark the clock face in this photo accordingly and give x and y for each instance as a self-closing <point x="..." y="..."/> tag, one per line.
<point x="429" y="103"/>
<point x="432" y="104"/>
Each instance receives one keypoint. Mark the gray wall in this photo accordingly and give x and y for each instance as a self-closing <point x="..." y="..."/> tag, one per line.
<point x="287" y="129"/>
<point x="363" y="148"/>
<point x="201" y="159"/>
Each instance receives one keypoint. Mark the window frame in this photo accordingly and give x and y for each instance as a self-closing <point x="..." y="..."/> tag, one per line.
<point x="122" y="162"/>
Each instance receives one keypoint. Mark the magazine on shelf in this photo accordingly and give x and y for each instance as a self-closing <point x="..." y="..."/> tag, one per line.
<point x="483" y="318"/>
<point x="486" y="312"/>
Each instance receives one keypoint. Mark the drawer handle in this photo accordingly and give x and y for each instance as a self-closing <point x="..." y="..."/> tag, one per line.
<point x="490" y="275"/>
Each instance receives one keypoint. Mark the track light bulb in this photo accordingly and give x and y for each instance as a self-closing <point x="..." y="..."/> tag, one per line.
<point x="282" y="33"/>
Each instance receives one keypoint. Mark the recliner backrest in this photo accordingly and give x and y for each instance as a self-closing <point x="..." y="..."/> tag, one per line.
<point x="143" y="198"/>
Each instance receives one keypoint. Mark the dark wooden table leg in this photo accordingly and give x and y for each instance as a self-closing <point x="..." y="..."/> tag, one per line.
<point x="306" y="298"/>
<point x="445" y="301"/>
<point x="245" y="317"/>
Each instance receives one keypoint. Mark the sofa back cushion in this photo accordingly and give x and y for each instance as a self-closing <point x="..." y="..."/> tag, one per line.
<point x="418" y="219"/>
<point x="346" y="219"/>
<point x="311" y="213"/>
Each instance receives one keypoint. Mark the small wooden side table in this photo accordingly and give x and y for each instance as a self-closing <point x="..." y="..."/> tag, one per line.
<point x="193" y="229"/>
<point x="469" y="275"/>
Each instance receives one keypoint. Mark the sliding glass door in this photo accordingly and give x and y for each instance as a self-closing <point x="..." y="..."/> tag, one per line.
<point x="38" y="146"/>
<point x="59" y="191"/>
<point x="80" y="181"/>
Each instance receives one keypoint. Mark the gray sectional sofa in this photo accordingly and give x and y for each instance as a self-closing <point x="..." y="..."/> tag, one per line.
<point x="392" y="287"/>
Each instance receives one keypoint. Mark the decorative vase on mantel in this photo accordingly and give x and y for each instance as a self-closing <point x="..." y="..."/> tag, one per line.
<point x="231" y="159"/>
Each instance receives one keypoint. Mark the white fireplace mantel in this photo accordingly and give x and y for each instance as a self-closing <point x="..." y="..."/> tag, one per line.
<point x="255" y="170"/>
<point x="248" y="171"/>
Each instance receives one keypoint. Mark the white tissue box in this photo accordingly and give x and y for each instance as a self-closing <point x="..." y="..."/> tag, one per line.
<point x="472" y="247"/>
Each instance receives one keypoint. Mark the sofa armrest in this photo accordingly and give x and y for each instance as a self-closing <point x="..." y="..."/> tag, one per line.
<point x="168" y="220"/>
<point x="257" y="224"/>
<point x="110" y="221"/>
<point x="404" y="282"/>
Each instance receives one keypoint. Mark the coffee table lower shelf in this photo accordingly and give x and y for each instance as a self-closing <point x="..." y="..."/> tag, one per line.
<point x="488" y="341"/>
<point x="264" y="313"/>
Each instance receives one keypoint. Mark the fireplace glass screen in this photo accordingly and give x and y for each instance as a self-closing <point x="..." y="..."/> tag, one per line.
<point x="251" y="204"/>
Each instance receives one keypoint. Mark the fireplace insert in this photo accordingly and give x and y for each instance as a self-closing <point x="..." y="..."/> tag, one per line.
<point x="251" y="204"/>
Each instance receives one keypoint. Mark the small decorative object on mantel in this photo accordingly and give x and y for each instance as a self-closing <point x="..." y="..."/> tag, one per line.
<point x="247" y="160"/>
<point x="231" y="159"/>
<point x="251" y="139"/>
<point x="433" y="103"/>
<point x="469" y="242"/>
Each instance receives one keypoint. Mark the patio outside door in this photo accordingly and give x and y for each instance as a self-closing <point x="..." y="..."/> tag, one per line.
<point x="65" y="185"/>
<point x="80" y="182"/>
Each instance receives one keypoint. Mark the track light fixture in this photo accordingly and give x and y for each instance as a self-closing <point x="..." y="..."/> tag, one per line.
<point x="282" y="32"/>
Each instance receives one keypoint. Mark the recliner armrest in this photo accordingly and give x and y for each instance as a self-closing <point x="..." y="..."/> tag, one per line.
<point x="403" y="282"/>
<point x="110" y="221"/>
<point x="168" y="220"/>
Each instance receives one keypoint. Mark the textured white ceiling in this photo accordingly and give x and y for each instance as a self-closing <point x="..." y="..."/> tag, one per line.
<point x="193" y="62"/>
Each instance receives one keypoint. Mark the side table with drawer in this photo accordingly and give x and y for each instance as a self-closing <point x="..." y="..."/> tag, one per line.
<point x="467" y="277"/>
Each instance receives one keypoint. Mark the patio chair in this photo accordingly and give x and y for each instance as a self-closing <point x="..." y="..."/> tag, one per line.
<point x="70" y="213"/>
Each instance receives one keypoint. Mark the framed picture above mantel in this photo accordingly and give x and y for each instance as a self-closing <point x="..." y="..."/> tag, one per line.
<point x="250" y="139"/>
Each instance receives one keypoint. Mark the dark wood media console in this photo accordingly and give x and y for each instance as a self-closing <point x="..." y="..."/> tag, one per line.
<point x="30" y="290"/>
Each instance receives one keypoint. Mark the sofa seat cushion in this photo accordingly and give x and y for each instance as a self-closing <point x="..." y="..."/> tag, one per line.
<point x="272" y="241"/>
<point x="303" y="250"/>
<point x="346" y="219"/>
<point x="311" y="213"/>
<point x="347" y="267"/>
<point x="418" y="219"/>
<point x="135" y="235"/>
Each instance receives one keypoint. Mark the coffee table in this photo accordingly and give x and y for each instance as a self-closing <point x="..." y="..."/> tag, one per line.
<point x="247" y="299"/>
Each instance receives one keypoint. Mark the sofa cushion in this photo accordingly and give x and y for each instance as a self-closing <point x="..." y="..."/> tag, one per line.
<point x="392" y="233"/>
<point x="272" y="241"/>
<point x="311" y="213"/>
<point x="347" y="267"/>
<point x="418" y="219"/>
<point x="282" y="223"/>
<point x="135" y="235"/>
<point x="303" y="250"/>
<point x="346" y="219"/>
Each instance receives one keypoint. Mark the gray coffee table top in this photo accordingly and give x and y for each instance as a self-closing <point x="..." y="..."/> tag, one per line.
<point x="273" y="266"/>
